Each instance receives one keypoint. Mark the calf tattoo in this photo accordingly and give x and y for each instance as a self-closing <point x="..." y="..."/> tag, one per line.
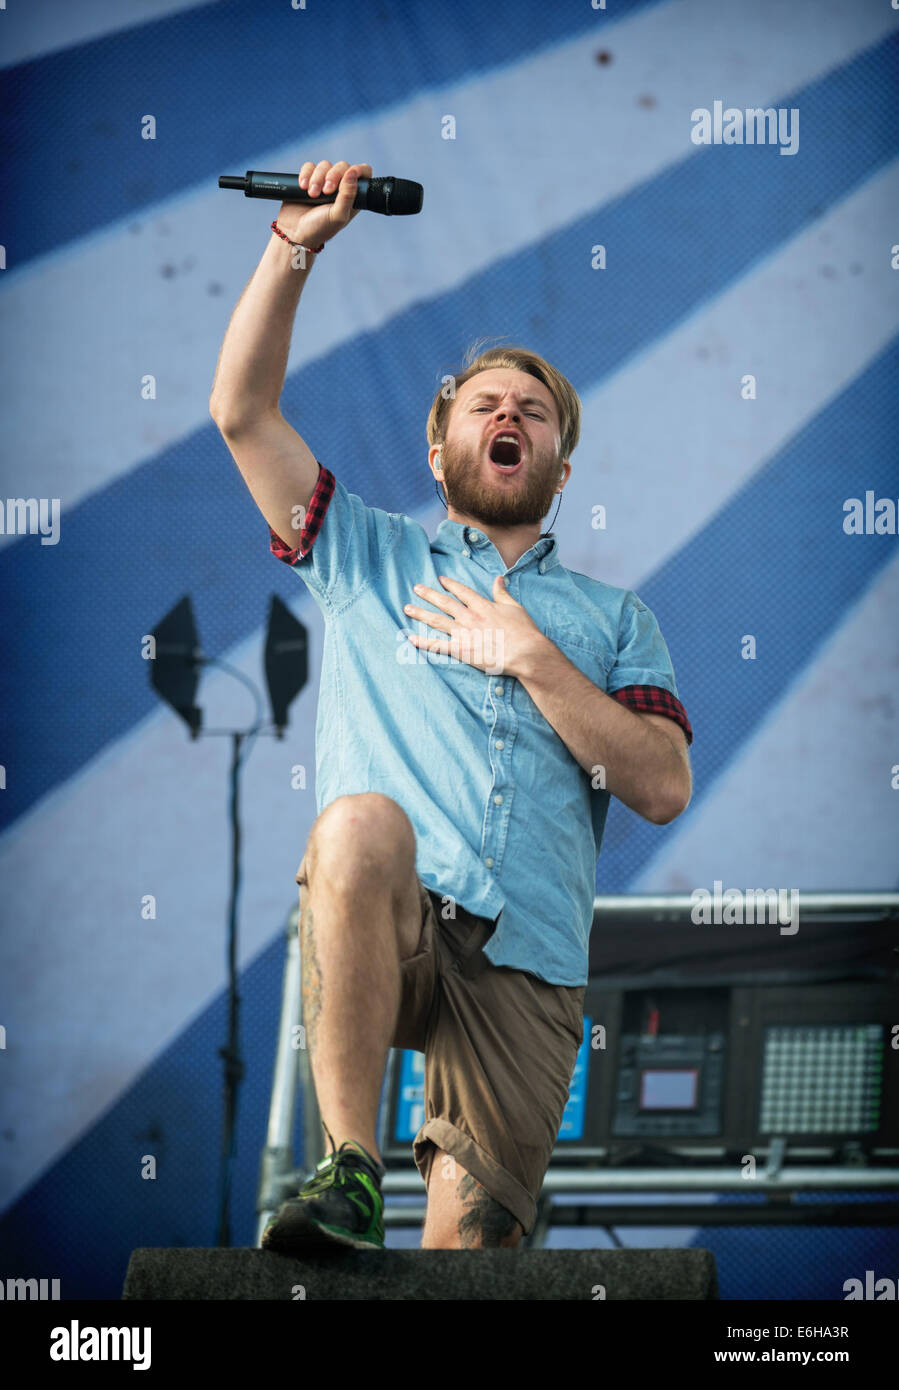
<point x="484" y="1223"/>
<point x="312" y="980"/>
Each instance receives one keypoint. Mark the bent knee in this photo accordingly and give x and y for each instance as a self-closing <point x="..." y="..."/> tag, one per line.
<point x="366" y="827"/>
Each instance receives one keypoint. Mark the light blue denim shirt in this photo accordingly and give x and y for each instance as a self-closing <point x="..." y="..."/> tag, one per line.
<point x="507" y="823"/>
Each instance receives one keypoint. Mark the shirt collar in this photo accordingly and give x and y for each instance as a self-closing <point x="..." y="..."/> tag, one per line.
<point x="458" y="536"/>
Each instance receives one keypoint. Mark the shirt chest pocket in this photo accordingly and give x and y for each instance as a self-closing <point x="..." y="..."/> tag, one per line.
<point x="593" y="657"/>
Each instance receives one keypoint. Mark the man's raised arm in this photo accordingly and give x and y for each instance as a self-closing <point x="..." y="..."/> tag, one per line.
<point x="277" y="465"/>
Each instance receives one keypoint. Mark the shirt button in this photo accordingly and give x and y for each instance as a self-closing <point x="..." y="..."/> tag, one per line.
<point x="542" y="567"/>
<point x="474" y="535"/>
<point x="498" y="800"/>
<point x="499" y="690"/>
<point x="465" y="550"/>
<point x="489" y="863"/>
<point x="499" y="744"/>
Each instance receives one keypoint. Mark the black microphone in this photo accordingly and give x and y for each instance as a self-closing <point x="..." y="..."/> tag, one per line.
<point x="393" y="197"/>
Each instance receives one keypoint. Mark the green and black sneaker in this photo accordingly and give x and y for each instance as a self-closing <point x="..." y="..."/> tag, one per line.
<point x="340" y="1205"/>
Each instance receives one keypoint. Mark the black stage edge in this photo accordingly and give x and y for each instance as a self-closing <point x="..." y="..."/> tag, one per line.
<point x="377" y="1275"/>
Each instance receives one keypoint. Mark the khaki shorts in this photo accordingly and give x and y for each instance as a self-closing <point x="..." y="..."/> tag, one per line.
<point x="500" y="1047"/>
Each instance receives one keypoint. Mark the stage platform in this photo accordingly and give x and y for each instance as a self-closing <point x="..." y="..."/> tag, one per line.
<point x="216" y="1274"/>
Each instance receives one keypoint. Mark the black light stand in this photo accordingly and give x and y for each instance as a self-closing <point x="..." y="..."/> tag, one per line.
<point x="174" y="674"/>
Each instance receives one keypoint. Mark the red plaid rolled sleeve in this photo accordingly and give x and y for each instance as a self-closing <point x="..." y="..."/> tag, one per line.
<point x="654" y="699"/>
<point x="315" y="515"/>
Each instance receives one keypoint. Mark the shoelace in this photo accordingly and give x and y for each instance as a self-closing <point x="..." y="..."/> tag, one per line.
<point x="327" y="1170"/>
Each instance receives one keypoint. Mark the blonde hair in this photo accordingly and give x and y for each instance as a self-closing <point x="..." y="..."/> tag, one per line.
<point x="560" y="388"/>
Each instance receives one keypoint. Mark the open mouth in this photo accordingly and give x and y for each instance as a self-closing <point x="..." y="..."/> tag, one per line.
<point x="506" y="453"/>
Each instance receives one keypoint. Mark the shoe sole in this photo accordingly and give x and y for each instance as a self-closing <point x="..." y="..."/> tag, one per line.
<point x="297" y="1231"/>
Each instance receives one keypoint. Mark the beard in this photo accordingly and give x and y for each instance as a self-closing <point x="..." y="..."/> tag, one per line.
<point x="522" y="501"/>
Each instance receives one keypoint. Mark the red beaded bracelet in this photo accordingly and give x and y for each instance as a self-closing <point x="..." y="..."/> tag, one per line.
<point x="314" y="249"/>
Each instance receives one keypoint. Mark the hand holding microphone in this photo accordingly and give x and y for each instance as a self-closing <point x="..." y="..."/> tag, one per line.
<point x="313" y="225"/>
<point x="323" y="198"/>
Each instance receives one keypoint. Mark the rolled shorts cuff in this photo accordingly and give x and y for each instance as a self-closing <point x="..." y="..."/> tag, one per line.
<point x="495" y="1180"/>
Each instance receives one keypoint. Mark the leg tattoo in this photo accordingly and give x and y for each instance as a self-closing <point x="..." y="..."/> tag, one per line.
<point x="484" y="1223"/>
<point x="312" y="982"/>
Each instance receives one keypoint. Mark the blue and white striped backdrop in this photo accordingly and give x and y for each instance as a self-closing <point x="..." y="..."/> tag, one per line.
<point x="124" y="260"/>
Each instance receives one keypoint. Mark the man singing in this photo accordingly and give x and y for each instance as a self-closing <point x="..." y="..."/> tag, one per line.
<point x="479" y="704"/>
